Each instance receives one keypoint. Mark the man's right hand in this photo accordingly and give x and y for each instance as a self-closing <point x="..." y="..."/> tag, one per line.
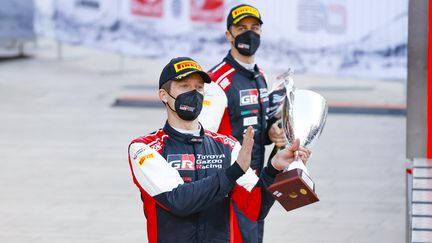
<point x="245" y="153"/>
<point x="286" y="156"/>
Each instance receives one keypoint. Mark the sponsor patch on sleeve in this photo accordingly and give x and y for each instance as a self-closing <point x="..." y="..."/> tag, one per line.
<point x="145" y="157"/>
<point x="207" y="103"/>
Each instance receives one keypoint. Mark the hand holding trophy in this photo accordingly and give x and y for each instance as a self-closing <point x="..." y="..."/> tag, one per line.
<point x="303" y="114"/>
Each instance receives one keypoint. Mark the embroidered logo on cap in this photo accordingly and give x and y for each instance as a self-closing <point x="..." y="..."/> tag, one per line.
<point x="186" y="64"/>
<point x="245" y="10"/>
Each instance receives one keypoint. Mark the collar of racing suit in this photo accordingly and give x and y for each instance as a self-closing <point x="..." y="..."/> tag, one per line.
<point x="239" y="68"/>
<point x="182" y="137"/>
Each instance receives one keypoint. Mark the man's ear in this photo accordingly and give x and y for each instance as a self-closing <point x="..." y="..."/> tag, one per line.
<point x="228" y="36"/>
<point x="163" y="95"/>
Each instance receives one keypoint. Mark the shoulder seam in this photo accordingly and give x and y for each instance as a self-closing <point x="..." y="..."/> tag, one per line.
<point x="224" y="139"/>
<point x="150" y="138"/>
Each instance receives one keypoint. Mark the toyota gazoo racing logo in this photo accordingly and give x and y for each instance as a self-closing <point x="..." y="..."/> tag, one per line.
<point x="186" y="64"/>
<point x="210" y="161"/>
<point x="248" y="97"/>
<point x="182" y="161"/>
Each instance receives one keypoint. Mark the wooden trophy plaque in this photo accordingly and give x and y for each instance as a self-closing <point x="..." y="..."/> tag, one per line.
<point x="293" y="189"/>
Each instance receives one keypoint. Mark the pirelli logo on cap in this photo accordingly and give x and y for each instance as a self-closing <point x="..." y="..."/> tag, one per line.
<point x="186" y="64"/>
<point x="245" y="10"/>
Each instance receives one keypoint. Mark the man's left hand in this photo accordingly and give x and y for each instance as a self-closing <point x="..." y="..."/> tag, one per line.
<point x="277" y="135"/>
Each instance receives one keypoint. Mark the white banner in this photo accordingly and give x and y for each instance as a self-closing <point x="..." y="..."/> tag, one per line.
<point x="365" y="38"/>
<point x="89" y="22"/>
<point x="337" y="37"/>
<point x="173" y="28"/>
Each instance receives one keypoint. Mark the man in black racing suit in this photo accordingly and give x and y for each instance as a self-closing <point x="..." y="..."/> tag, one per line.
<point x="189" y="177"/>
<point x="238" y="98"/>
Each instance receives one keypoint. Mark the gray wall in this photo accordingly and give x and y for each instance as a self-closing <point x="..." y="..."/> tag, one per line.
<point x="417" y="78"/>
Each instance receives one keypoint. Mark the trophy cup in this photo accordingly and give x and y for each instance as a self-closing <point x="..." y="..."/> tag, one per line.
<point x="304" y="113"/>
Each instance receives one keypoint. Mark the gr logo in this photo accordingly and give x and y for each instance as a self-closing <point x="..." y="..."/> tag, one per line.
<point x="248" y="97"/>
<point x="181" y="161"/>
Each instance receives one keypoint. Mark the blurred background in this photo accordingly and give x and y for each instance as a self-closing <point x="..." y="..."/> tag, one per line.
<point x="78" y="82"/>
<point x="333" y="37"/>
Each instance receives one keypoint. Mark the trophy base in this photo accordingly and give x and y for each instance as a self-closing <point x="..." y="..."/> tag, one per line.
<point x="293" y="189"/>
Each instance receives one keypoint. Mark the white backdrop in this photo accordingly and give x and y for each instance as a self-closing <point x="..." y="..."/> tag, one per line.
<point x="365" y="38"/>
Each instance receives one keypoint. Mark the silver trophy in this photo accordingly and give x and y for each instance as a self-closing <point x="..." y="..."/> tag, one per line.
<point x="303" y="114"/>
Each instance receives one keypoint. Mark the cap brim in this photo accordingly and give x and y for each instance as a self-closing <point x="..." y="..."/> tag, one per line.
<point x="235" y="21"/>
<point x="206" y="78"/>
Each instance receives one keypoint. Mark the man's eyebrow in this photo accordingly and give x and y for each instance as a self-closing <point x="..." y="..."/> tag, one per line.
<point x="244" y="25"/>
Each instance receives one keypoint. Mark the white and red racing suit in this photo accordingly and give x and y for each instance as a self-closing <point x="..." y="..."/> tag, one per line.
<point x="189" y="184"/>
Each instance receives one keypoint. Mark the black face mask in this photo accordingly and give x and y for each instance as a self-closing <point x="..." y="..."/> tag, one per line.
<point x="247" y="43"/>
<point x="188" y="105"/>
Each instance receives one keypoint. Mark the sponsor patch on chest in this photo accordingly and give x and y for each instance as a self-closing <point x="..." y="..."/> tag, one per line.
<point x="248" y="97"/>
<point x="264" y="95"/>
<point x="210" y="161"/>
<point x="250" y="121"/>
<point x="201" y="161"/>
<point x="181" y="161"/>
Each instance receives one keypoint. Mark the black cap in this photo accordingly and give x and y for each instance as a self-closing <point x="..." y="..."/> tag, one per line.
<point x="240" y="12"/>
<point x="181" y="67"/>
